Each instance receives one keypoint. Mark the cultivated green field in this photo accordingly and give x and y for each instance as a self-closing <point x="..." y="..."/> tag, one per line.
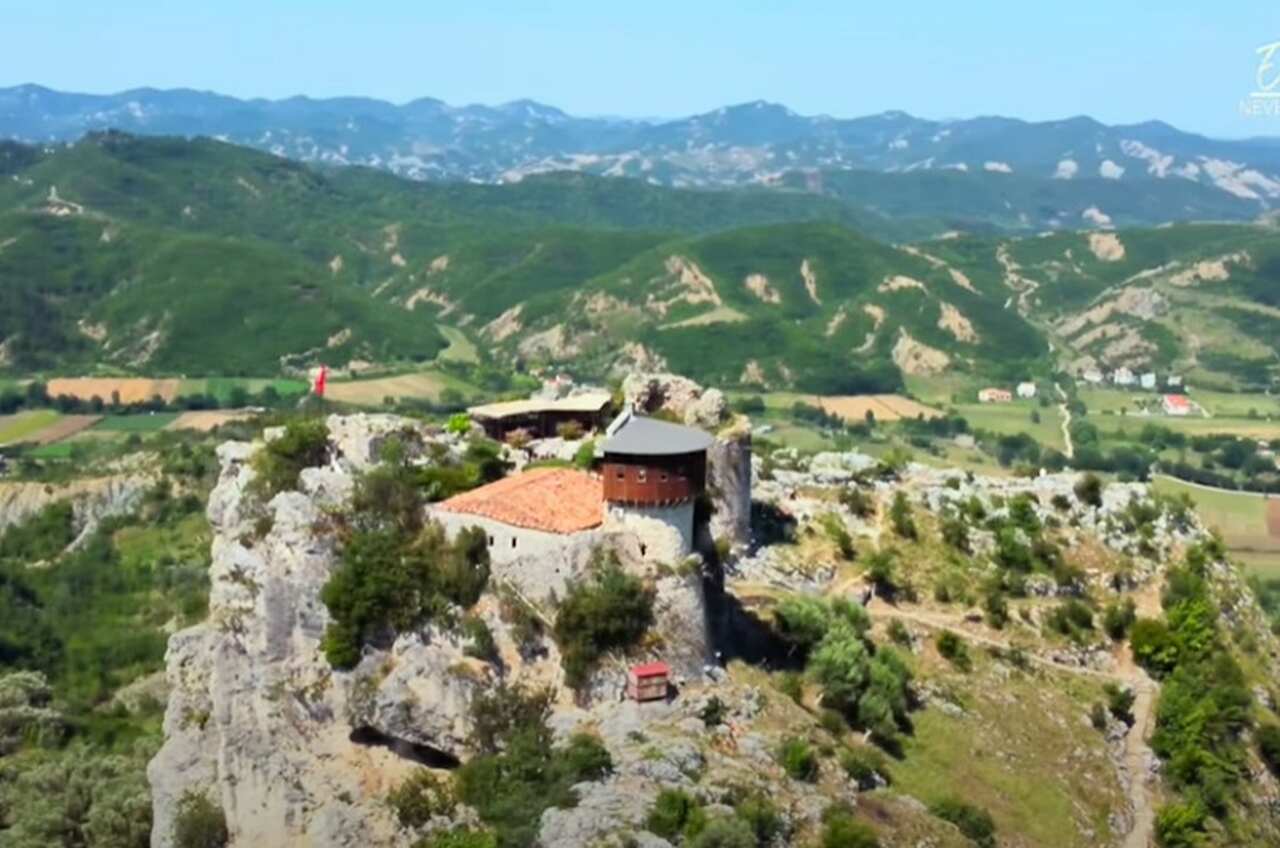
<point x="1129" y="426"/>
<point x="15" y="428"/>
<point x="136" y="423"/>
<point x="1218" y="404"/>
<point x="460" y="349"/>
<point x="1011" y="419"/>
<point x="1240" y="518"/>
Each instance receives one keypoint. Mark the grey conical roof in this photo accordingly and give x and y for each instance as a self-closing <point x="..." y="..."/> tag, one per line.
<point x="635" y="434"/>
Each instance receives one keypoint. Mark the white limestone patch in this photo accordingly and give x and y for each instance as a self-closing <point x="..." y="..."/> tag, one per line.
<point x="1097" y="217"/>
<point x="1109" y="170"/>
<point x="758" y="284"/>
<point x="1067" y="169"/>
<point x="900" y="283"/>
<point x="1235" y="178"/>
<point x="1158" y="163"/>
<point x="1107" y="247"/>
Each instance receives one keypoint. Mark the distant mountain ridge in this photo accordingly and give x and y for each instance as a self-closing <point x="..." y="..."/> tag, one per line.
<point x="753" y="143"/>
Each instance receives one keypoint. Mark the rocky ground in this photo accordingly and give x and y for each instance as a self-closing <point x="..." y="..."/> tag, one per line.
<point x="296" y="753"/>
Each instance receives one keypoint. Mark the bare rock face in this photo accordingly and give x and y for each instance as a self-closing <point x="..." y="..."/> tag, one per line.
<point x="696" y="406"/>
<point x="729" y="484"/>
<point x="91" y="500"/>
<point x="257" y="719"/>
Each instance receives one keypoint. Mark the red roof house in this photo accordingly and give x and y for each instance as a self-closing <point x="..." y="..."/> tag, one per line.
<point x="1177" y="405"/>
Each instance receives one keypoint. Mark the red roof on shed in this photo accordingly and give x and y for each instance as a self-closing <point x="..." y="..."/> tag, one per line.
<point x="653" y="669"/>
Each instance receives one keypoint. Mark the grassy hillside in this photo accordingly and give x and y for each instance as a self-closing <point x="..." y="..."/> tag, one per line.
<point x="196" y="257"/>
<point x="814" y="306"/>
<point x="78" y="291"/>
<point x="1195" y="299"/>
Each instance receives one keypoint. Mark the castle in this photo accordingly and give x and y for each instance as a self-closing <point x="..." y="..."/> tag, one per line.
<point x="541" y="522"/>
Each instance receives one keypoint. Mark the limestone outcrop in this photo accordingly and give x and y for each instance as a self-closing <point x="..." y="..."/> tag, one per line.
<point x="298" y="754"/>
<point x="92" y="500"/>
<point x="688" y="401"/>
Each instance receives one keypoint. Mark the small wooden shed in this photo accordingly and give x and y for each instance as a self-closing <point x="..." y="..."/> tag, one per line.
<point x="648" y="681"/>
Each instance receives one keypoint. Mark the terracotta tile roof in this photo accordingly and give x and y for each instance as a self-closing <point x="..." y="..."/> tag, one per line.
<point x="555" y="500"/>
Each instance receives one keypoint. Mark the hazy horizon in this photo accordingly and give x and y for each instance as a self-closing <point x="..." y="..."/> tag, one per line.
<point x="669" y="61"/>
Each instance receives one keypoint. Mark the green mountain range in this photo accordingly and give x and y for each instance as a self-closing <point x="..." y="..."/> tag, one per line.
<point x="173" y="256"/>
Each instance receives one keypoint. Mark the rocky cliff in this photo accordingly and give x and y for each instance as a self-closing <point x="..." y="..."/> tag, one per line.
<point x="298" y="754"/>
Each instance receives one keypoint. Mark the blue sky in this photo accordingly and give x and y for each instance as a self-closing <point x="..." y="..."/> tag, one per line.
<point x="1188" y="63"/>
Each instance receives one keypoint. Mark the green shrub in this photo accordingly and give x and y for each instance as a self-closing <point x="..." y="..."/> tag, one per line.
<point x="521" y="775"/>
<point x="1268" y="737"/>
<point x="881" y="570"/>
<point x="1153" y="646"/>
<point x="898" y="633"/>
<point x="1098" y="715"/>
<point x="833" y="722"/>
<point x="901" y="518"/>
<point x="459" y="837"/>
<point x="761" y="815"/>
<point x="713" y="712"/>
<point x="791" y="684"/>
<point x="974" y="822"/>
<point x="200" y="823"/>
<point x="1118" y="617"/>
<point x="1072" y="618"/>
<point x="610" y="611"/>
<point x="841" y="830"/>
<point x="857" y="501"/>
<point x="798" y="760"/>
<point x="1181" y="825"/>
<point x="955" y="532"/>
<point x="458" y="424"/>
<point x="525" y="625"/>
<point x="480" y="644"/>
<point x="996" y="609"/>
<point x="277" y="465"/>
<point x="724" y="832"/>
<point x="585" y="456"/>
<point x="673" y="812"/>
<point x="954" y="650"/>
<point x="1120" y="702"/>
<point x="501" y="710"/>
<point x="1088" y="490"/>
<point x="863" y="764"/>
<point x="391" y="580"/>
<point x="421" y="797"/>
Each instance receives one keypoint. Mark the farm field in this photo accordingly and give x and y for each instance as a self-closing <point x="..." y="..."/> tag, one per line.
<point x="24" y="425"/>
<point x="1129" y="426"/>
<point x="136" y="423"/>
<point x="1224" y="404"/>
<point x="1011" y="419"/>
<point x="427" y="385"/>
<point x="854" y="408"/>
<point x="129" y="389"/>
<point x="205" y="420"/>
<point x="1250" y="524"/>
<point x="460" y="349"/>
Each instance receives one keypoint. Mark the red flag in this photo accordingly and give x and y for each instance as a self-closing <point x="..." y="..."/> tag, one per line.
<point x="321" y="377"/>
